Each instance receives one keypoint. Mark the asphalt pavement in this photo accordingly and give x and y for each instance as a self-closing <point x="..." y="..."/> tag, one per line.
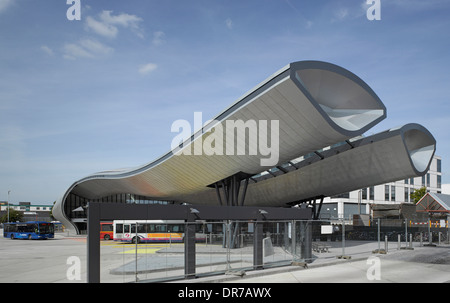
<point x="63" y="260"/>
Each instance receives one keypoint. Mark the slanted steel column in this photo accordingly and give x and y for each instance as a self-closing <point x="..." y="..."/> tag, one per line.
<point x="93" y="243"/>
<point x="232" y="195"/>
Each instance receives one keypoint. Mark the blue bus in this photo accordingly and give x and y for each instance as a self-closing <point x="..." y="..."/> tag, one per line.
<point x="29" y="230"/>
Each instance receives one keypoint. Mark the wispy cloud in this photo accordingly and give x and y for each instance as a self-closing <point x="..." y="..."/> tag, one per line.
<point x="107" y="24"/>
<point x="123" y="19"/>
<point x="86" y="48"/>
<point x="147" y="68"/>
<point x="101" y="28"/>
<point x="47" y="50"/>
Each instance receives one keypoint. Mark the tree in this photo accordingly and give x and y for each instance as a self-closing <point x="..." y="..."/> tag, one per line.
<point x="418" y="194"/>
<point x="14" y="216"/>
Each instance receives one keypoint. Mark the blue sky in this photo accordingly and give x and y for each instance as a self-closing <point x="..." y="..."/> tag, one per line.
<point x="77" y="97"/>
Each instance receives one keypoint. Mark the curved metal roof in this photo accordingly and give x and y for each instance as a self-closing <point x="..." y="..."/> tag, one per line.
<point x="314" y="104"/>
<point x="393" y="155"/>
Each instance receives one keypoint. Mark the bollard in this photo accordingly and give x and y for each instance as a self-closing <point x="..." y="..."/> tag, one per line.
<point x="399" y="244"/>
<point x="421" y="239"/>
<point x="410" y="240"/>
<point x="386" y="244"/>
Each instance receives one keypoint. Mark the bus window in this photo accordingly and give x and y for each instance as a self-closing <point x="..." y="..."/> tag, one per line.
<point x="142" y="228"/>
<point x="119" y="228"/>
<point x="151" y="228"/>
<point x="46" y="228"/>
<point x="126" y="228"/>
<point x="176" y="228"/>
<point x="160" y="228"/>
<point x="106" y="227"/>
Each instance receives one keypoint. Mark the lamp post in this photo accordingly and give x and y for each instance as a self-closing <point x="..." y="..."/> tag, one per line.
<point x="359" y="201"/>
<point x="9" y="191"/>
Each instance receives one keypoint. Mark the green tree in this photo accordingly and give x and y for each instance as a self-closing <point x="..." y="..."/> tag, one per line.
<point x="14" y="216"/>
<point x="418" y="194"/>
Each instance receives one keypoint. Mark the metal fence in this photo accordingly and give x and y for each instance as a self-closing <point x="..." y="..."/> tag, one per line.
<point x="227" y="248"/>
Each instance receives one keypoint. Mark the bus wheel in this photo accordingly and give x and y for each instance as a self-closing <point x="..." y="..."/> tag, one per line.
<point x="136" y="240"/>
<point x="106" y="237"/>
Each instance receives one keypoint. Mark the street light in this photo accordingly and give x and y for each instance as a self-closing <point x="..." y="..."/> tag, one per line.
<point x="9" y="191"/>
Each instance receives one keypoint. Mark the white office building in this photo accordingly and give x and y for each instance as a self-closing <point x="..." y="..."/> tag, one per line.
<point x="348" y="204"/>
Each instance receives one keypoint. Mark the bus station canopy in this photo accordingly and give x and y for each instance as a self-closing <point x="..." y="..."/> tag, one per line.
<point x="321" y="111"/>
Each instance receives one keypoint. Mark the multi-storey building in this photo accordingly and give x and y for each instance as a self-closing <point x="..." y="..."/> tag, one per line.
<point x="31" y="212"/>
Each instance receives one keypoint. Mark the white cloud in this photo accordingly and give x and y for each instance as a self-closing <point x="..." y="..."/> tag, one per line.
<point x="147" y="68"/>
<point x="95" y="47"/>
<point x="108" y="24"/>
<point x="86" y="48"/>
<point x="124" y="20"/>
<point x="101" y="28"/>
<point x="47" y="50"/>
<point x="73" y="51"/>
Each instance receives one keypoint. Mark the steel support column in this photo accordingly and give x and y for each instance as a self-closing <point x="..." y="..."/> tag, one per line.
<point x="258" y="245"/>
<point x="93" y="243"/>
<point x="189" y="250"/>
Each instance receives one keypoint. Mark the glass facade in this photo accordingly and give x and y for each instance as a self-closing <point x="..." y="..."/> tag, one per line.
<point x="329" y="210"/>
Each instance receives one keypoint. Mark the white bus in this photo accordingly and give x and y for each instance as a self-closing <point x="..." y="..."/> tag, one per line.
<point x="153" y="231"/>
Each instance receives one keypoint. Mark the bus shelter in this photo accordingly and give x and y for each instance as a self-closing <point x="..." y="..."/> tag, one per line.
<point x="189" y="213"/>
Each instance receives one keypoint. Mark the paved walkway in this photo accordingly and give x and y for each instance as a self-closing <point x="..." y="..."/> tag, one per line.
<point x="423" y="264"/>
